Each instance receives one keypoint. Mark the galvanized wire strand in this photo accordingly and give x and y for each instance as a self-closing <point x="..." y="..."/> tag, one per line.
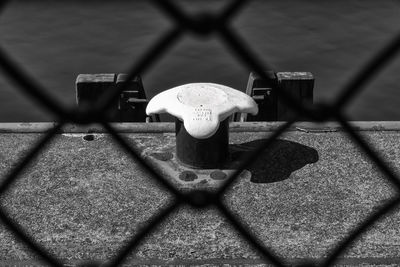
<point x="360" y="229"/>
<point x="143" y="233"/>
<point x="142" y="162"/>
<point x="231" y="40"/>
<point x="244" y="231"/>
<point x="21" y="234"/>
<point x="28" y="158"/>
<point x="243" y="52"/>
<point x="232" y="9"/>
<point x="363" y="227"/>
<point x="367" y="72"/>
<point x="247" y="234"/>
<point x="11" y="224"/>
<point x="153" y="54"/>
<point x="197" y="25"/>
<point x="3" y="3"/>
<point x="246" y="162"/>
<point x="174" y="12"/>
<point x="202" y="26"/>
<point x="370" y="152"/>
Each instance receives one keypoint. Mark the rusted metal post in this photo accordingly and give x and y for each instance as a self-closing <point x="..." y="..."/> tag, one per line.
<point x="297" y="84"/>
<point x="263" y="95"/>
<point x="91" y="87"/>
<point x="129" y="107"/>
<point x="300" y="86"/>
<point x="132" y="102"/>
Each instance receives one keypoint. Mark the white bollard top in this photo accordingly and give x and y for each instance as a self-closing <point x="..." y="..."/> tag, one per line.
<point x="201" y="106"/>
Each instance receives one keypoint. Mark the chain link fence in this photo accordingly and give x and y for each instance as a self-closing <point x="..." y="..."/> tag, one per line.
<point x="219" y="26"/>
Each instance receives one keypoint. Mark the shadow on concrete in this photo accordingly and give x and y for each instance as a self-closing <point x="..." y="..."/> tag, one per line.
<point x="277" y="162"/>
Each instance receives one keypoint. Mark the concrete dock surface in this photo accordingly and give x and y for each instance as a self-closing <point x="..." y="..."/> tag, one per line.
<point x="83" y="200"/>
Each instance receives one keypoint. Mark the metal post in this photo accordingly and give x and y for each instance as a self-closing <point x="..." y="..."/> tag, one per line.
<point x="209" y="153"/>
<point x="202" y="112"/>
<point x="132" y="102"/>
<point x="300" y="86"/>
<point x="91" y="87"/>
<point x="297" y="84"/>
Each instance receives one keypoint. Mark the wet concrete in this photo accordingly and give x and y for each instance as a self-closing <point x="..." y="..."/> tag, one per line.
<point x="84" y="199"/>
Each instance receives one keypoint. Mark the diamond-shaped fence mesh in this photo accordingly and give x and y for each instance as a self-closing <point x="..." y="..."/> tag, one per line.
<point x="204" y="25"/>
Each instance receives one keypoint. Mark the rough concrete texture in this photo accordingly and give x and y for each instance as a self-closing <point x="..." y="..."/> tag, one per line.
<point x="84" y="199"/>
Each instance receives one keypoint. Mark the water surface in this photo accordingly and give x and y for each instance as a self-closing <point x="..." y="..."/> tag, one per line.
<point x="55" y="41"/>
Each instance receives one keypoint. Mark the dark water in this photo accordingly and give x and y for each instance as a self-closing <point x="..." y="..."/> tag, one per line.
<point x="55" y="42"/>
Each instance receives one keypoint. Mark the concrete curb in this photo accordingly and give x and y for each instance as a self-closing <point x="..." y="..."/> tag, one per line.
<point x="302" y="213"/>
<point x="163" y="127"/>
<point x="219" y="262"/>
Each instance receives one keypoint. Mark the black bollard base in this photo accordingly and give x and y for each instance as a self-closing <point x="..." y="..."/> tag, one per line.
<point x="209" y="153"/>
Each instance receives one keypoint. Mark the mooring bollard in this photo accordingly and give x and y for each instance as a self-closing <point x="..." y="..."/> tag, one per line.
<point x="202" y="112"/>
